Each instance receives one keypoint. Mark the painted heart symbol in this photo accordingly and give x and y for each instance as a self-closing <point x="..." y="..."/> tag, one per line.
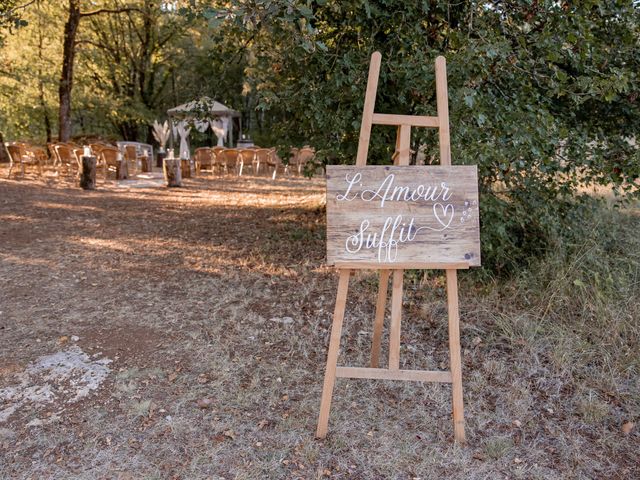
<point x="444" y="214"/>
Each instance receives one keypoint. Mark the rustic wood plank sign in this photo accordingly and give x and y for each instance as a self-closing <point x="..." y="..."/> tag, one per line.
<point x="402" y="217"/>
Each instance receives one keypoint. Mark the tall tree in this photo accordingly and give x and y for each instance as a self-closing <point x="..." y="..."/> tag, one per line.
<point x="74" y="15"/>
<point x="131" y="59"/>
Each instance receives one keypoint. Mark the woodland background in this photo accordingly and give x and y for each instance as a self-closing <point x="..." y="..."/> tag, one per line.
<point x="543" y="94"/>
<point x="214" y="301"/>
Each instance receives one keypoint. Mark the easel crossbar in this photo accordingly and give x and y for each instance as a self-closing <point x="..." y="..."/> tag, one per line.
<point x="411" y="120"/>
<point x="385" y="374"/>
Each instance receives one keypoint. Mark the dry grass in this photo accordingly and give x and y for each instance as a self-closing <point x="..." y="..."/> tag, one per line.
<point x="179" y="288"/>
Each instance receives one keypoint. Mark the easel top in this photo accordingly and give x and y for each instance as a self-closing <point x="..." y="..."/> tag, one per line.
<point x="405" y="122"/>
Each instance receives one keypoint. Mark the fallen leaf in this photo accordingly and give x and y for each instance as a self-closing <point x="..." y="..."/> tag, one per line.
<point x="517" y="423"/>
<point x="204" y="402"/>
<point x="230" y="433"/>
<point x="172" y="377"/>
<point x="63" y="339"/>
<point x="627" y="427"/>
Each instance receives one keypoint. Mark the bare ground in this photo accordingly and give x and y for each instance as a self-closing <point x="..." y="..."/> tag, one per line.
<point x="213" y="304"/>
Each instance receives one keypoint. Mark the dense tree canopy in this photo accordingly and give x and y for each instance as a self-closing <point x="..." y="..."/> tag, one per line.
<point x="543" y="94"/>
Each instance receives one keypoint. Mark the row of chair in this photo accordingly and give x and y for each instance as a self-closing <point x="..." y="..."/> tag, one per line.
<point x="239" y="160"/>
<point x="65" y="157"/>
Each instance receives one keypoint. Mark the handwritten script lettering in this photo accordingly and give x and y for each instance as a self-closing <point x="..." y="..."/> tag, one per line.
<point x="384" y="191"/>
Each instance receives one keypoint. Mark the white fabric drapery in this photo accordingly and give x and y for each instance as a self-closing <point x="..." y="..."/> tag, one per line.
<point x="220" y="126"/>
<point x="183" y="131"/>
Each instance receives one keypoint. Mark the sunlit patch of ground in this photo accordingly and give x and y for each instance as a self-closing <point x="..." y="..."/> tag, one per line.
<point x="213" y="304"/>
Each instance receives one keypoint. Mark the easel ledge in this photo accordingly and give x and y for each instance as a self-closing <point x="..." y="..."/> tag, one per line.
<point x="402" y="266"/>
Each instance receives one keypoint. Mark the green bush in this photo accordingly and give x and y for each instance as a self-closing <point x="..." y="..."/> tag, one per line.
<point x="543" y="96"/>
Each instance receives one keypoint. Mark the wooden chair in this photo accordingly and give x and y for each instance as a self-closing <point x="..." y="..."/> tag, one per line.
<point x="67" y="158"/>
<point x="303" y="156"/>
<point x="247" y="158"/>
<point x="131" y="156"/>
<point x="218" y="161"/>
<point x="108" y="159"/>
<point x="77" y="151"/>
<point x="274" y="161"/>
<point x="20" y="154"/>
<point x="229" y="157"/>
<point x="96" y="148"/>
<point x="261" y="158"/>
<point x="204" y="159"/>
<point x="39" y="153"/>
<point x="53" y="155"/>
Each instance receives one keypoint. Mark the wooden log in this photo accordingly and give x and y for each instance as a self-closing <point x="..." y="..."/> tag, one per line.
<point x="186" y="168"/>
<point x="145" y="164"/>
<point x="160" y="156"/>
<point x="172" y="172"/>
<point x="122" y="169"/>
<point x="88" y="173"/>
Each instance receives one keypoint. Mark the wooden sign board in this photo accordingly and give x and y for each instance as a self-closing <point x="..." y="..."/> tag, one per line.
<point x="403" y="217"/>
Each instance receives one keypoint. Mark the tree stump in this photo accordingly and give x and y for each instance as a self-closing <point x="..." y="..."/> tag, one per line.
<point x="145" y="164"/>
<point x="88" y="173"/>
<point x="172" y="173"/>
<point x="160" y="156"/>
<point x="186" y="168"/>
<point x="122" y="169"/>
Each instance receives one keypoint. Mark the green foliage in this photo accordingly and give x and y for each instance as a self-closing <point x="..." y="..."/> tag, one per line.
<point x="543" y="95"/>
<point x="10" y="18"/>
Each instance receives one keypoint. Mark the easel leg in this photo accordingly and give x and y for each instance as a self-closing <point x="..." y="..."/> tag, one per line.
<point x="396" y="314"/>
<point x="379" y="321"/>
<point x="454" y="354"/>
<point x="332" y="357"/>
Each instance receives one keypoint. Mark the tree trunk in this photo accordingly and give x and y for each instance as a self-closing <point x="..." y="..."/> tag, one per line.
<point x="122" y="169"/>
<point x="66" y="78"/>
<point x="185" y="167"/>
<point x="160" y="156"/>
<point x="145" y="164"/>
<point x="41" y="91"/>
<point x="88" y="173"/>
<point x="4" y="156"/>
<point x="172" y="173"/>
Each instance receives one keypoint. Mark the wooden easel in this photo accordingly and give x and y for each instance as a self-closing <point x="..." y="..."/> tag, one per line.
<point x="401" y="157"/>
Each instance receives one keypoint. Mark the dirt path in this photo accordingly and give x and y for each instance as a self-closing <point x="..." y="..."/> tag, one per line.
<point x="208" y="308"/>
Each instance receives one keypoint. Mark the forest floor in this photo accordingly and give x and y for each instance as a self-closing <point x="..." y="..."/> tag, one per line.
<point x="182" y="333"/>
